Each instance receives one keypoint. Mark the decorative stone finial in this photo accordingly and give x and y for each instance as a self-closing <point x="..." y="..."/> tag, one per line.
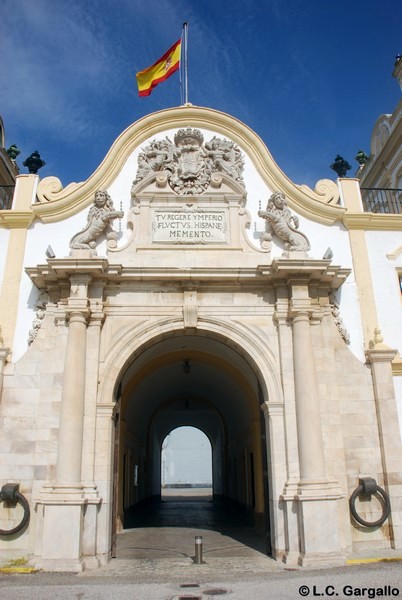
<point x="361" y="158"/>
<point x="13" y="152"/>
<point x="34" y="163"/>
<point x="340" y="166"/>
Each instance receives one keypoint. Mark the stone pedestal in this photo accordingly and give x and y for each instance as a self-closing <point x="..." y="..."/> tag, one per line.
<point x="62" y="533"/>
<point x="319" y="531"/>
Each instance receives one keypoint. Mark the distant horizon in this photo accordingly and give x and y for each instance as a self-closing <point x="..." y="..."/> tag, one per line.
<point x="186" y="459"/>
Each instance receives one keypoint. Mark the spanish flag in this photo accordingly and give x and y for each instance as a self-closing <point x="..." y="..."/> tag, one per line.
<point x="159" y="71"/>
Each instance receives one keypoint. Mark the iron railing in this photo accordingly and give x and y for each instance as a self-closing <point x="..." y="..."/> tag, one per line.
<point x="381" y="200"/>
<point x="6" y="196"/>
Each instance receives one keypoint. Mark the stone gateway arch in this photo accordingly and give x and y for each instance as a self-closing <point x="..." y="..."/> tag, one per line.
<point x="189" y="247"/>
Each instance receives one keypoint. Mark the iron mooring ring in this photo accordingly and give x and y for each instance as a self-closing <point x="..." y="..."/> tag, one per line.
<point x="367" y="487"/>
<point x="9" y="492"/>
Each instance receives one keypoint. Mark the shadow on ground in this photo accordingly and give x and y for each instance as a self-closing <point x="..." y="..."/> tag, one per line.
<point x="167" y="528"/>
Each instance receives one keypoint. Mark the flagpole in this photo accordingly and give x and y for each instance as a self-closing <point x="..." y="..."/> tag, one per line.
<point x="185" y="61"/>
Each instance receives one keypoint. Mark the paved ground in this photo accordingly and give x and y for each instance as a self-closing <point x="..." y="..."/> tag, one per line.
<point x="168" y="529"/>
<point x="368" y="581"/>
<point x="155" y="561"/>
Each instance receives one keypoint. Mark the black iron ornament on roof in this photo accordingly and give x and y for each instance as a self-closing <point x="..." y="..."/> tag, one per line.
<point x="361" y="158"/>
<point x="34" y="162"/>
<point x="13" y="152"/>
<point x="340" y="166"/>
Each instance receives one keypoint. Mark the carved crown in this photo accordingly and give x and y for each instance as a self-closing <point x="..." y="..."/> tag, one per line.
<point x="188" y="136"/>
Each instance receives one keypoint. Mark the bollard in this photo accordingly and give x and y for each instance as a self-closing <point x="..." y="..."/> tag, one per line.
<point x="198" y="550"/>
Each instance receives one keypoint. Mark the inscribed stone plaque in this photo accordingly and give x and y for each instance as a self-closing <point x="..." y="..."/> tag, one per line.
<point x="189" y="227"/>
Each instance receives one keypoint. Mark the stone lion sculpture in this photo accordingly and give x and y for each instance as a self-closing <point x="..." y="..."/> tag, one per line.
<point x="280" y="221"/>
<point x="99" y="221"/>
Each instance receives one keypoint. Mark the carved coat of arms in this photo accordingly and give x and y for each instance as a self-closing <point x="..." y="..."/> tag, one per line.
<point x="189" y="163"/>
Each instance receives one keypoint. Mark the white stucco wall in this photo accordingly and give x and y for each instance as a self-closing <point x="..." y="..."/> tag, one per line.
<point x="58" y="235"/>
<point x="4" y="237"/>
<point x="386" y="285"/>
<point x="398" y="394"/>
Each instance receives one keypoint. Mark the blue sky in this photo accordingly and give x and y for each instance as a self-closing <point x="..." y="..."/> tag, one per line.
<point x="309" y="77"/>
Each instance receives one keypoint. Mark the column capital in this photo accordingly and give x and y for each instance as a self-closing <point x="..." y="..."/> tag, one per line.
<point x="272" y="409"/>
<point x="77" y="314"/>
<point x="301" y="311"/>
<point x="281" y="316"/>
<point x="96" y="318"/>
<point x="381" y="355"/>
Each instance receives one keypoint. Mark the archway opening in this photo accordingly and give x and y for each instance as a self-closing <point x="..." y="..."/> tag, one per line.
<point x="186" y="465"/>
<point x="207" y="383"/>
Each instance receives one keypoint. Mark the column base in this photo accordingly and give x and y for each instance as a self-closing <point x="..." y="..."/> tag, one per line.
<point x="322" y="560"/>
<point x="319" y="529"/>
<point x="60" y="564"/>
<point x="291" y="559"/>
<point x="90" y="563"/>
<point x="68" y="526"/>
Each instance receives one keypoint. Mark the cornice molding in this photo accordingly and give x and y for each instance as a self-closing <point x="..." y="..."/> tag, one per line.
<point x="12" y="219"/>
<point x="397" y="367"/>
<point x="310" y="271"/>
<point x="372" y="221"/>
<point x="56" y="203"/>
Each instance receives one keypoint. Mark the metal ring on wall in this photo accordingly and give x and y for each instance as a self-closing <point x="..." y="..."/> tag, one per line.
<point x="10" y="492"/>
<point x="368" y="486"/>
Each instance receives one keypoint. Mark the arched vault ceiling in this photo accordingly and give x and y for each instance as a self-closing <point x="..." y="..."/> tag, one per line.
<point x="219" y="379"/>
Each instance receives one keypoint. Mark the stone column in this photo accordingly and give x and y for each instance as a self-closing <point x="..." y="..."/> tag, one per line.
<point x="64" y="501"/>
<point x="389" y="434"/>
<point x="316" y="495"/>
<point x="69" y="456"/>
<point x="311" y="454"/>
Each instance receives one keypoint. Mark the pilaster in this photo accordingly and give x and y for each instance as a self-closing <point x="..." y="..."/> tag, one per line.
<point x="4" y="352"/>
<point x="380" y="359"/>
<point x="351" y="196"/>
<point x="17" y="220"/>
<point x="276" y="451"/>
